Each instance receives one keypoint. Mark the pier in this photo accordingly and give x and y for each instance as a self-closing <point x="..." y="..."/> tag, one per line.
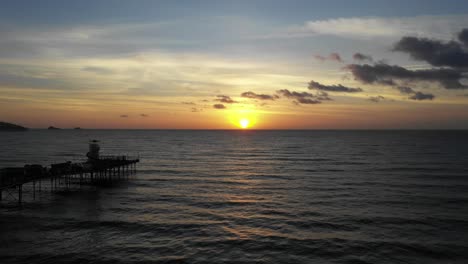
<point x="97" y="170"/>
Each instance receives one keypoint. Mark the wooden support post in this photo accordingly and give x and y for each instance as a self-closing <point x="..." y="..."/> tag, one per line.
<point x="20" y="193"/>
<point x="34" y="189"/>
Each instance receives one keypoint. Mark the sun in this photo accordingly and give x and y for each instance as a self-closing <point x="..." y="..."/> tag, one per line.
<point x="243" y="118"/>
<point x="244" y="123"/>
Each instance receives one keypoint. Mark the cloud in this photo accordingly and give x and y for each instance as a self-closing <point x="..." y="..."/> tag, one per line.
<point x="320" y="57"/>
<point x="449" y="61"/>
<point x="376" y="99"/>
<point x="335" y="57"/>
<point x="123" y="116"/>
<point x="143" y="115"/>
<point x="441" y="26"/>
<point x="362" y="57"/>
<point x="415" y="95"/>
<point x="219" y="106"/>
<point x="421" y="96"/>
<point x="332" y="88"/>
<point x="300" y="97"/>
<point x="322" y="96"/>
<point x="435" y="52"/>
<point x="253" y="95"/>
<point x="97" y="70"/>
<point x="382" y="73"/>
<point x="189" y="103"/>
<point x="405" y="90"/>
<point x="225" y="99"/>
<point x="463" y="36"/>
<point x="332" y="57"/>
<point x="195" y="110"/>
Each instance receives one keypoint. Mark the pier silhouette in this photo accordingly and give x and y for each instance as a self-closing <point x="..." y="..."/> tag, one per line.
<point x="98" y="170"/>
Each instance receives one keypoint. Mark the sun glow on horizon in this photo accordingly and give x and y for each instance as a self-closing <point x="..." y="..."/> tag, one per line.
<point x="244" y="123"/>
<point x="243" y="119"/>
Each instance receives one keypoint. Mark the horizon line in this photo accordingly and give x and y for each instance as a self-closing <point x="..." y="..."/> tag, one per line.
<point x="266" y="129"/>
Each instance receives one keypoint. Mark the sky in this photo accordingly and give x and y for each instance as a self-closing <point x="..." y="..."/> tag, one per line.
<point x="227" y="64"/>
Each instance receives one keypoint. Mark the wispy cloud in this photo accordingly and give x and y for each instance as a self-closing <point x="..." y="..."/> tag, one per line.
<point x="371" y="27"/>
<point x="97" y="70"/>
<point x="414" y="95"/>
<point x="225" y="99"/>
<point x="253" y="95"/>
<point x="376" y="99"/>
<point x="332" y="57"/>
<point x="332" y="88"/>
<point x="300" y="97"/>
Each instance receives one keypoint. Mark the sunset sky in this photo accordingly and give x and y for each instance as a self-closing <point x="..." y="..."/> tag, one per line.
<point x="210" y="64"/>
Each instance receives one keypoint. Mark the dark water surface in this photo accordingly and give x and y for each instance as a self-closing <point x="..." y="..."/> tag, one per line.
<point x="248" y="197"/>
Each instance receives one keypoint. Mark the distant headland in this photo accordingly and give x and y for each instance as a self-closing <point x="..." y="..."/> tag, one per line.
<point x="4" y="126"/>
<point x="53" y="128"/>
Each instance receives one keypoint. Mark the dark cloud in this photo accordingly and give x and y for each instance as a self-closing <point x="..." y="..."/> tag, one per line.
<point x="189" y="103"/>
<point x="253" y="95"/>
<point x="195" y="110"/>
<point x="362" y="57"/>
<point x="463" y="36"/>
<point x="307" y="101"/>
<point x="322" y="96"/>
<point x="123" y="116"/>
<point x="225" y="99"/>
<point x="332" y="57"/>
<point x="300" y="97"/>
<point x="421" y="96"/>
<point x="415" y="95"/>
<point x="219" y="106"/>
<point x="335" y="57"/>
<point x="435" y="52"/>
<point x="376" y="99"/>
<point x="405" y="90"/>
<point x="387" y="74"/>
<point x="143" y="115"/>
<point x="332" y="88"/>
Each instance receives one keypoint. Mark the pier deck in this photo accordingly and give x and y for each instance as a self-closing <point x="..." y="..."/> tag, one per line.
<point x="105" y="170"/>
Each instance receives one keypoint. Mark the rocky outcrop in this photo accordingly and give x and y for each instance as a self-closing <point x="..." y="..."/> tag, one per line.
<point x="4" y="126"/>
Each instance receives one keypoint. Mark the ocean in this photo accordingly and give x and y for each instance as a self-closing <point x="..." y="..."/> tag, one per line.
<point x="246" y="197"/>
